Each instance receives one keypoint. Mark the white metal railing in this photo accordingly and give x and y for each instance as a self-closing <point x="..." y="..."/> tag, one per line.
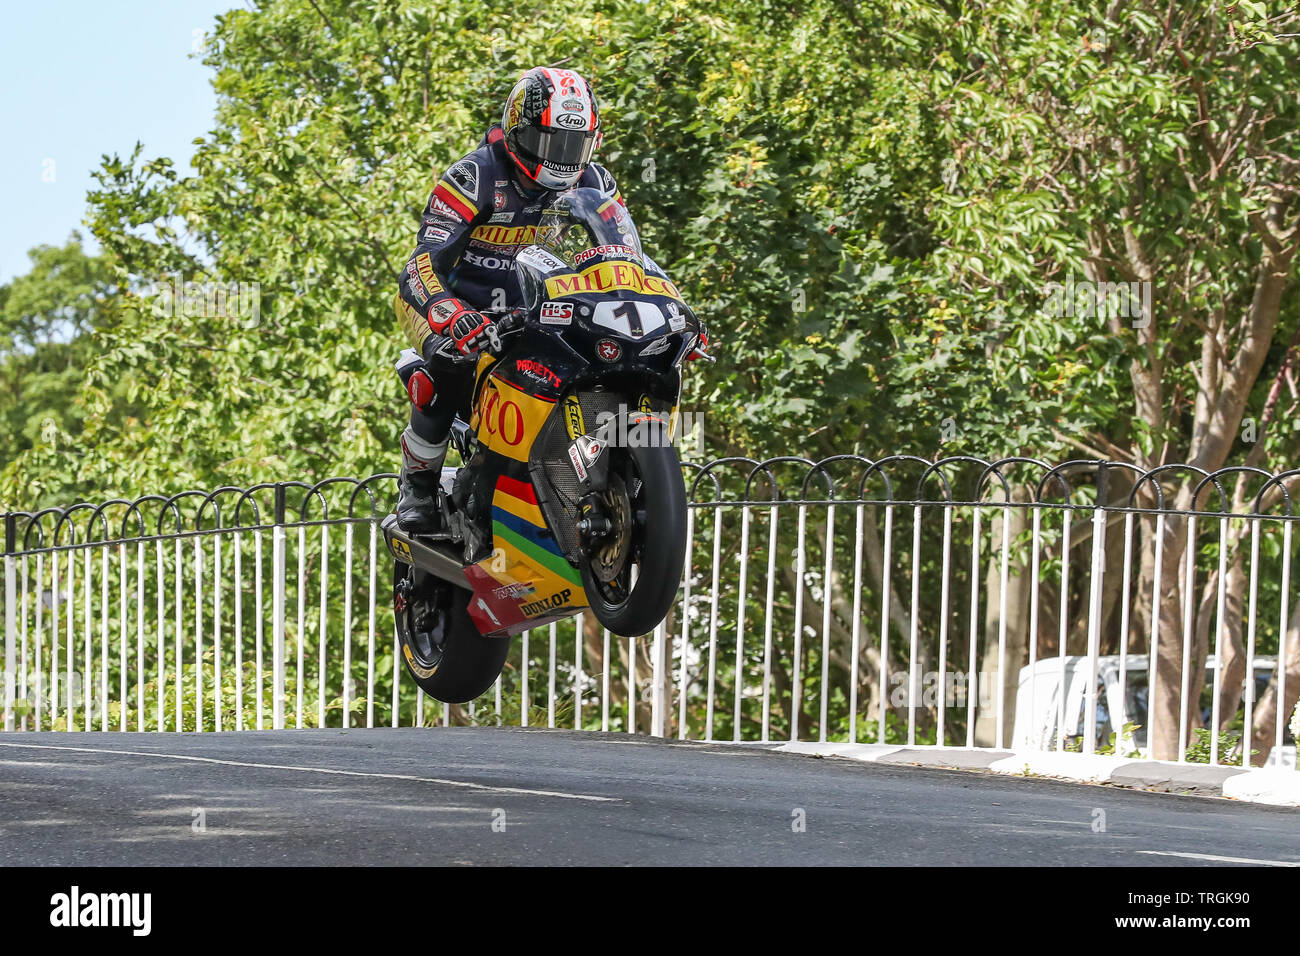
<point x="961" y="602"/>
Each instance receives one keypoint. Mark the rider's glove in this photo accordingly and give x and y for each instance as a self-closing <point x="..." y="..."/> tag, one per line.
<point x="470" y="330"/>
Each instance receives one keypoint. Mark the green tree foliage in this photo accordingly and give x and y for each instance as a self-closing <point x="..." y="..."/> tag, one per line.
<point x="870" y="236"/>
<point x="734" y="130"/>
<point x="46" y="316"/>
<point x="866" y="202"/>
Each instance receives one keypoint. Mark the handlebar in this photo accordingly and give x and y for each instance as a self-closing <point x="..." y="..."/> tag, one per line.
<point x="509" y="321"/>
<point x="504" y="322"/>
<point x="500" y="316"/>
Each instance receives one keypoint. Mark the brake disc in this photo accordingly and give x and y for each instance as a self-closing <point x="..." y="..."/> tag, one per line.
<point x="608" y="561"/>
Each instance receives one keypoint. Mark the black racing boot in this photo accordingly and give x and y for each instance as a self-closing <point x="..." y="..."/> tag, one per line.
<point x="417" y="502"/>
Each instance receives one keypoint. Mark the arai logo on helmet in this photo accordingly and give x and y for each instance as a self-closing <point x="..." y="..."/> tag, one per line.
<point x="607" y="350"/>
<point x="571" y="121"/>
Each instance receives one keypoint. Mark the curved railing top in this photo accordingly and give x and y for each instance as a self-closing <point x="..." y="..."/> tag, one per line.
<point x="848" y="478"/>
<point x="967" y="479"/>
<point x="228" y="508"/>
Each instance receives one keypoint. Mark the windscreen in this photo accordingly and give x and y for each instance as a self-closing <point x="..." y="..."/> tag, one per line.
<point x="585" y="224"/>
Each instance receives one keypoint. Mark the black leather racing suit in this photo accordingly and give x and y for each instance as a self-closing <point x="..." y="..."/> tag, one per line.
<point x="477" y="219"/>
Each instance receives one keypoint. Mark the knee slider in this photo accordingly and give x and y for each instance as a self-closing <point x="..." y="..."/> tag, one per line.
<point x="420" y="389"/>
<point x="417" y="381"/>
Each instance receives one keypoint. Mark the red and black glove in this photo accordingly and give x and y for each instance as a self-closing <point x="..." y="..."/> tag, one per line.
<point x="470" y="330"/>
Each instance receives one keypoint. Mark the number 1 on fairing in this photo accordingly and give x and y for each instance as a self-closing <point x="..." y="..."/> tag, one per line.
<point x="632" y="315"/>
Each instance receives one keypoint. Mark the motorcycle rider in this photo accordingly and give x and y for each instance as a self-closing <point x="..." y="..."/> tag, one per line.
<point x="482" y="212"/>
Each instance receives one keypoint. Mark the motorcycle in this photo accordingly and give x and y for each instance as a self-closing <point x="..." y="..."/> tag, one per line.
<point x="571" y="493"/>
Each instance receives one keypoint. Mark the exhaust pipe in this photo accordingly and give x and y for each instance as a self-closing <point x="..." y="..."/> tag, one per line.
<point x="423" y="553"/>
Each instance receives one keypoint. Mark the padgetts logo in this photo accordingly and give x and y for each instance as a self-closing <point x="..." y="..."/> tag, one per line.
<point x="77" y="909"/>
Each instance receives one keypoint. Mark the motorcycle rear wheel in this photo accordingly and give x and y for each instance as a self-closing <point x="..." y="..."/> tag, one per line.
<point x="444" y="652"/>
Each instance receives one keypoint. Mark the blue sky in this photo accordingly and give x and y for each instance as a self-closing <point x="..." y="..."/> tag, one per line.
<point x="81" y="79"/>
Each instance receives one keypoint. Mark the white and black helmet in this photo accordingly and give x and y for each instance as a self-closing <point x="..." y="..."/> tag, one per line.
<point x="552" y="126"/>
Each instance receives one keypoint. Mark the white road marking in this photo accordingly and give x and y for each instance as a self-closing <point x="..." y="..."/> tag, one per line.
<point x="327" y="770"/>
<point x="1218" y="859"/>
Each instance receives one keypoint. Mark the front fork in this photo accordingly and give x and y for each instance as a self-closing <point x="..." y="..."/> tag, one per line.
<point x="589" y="457"/>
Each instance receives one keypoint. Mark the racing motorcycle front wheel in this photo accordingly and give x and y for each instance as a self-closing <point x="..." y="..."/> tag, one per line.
<point x="632" y="575"/>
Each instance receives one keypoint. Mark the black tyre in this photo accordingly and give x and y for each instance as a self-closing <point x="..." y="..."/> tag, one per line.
<point x="444" y="652"/>
<point x="646" y="503"/>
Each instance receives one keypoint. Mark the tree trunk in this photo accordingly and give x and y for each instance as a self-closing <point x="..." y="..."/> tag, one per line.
<point x="1232" y="652"/>
<point x="1165" y="673"/>
<point x="1139" y="617"/>
<point x="1266" y="714"/>
<point x="1201" y="644"/>
<point x="1007" y="681"/>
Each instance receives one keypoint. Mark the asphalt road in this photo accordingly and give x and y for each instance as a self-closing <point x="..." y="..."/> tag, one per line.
<point x="476" y="796"/>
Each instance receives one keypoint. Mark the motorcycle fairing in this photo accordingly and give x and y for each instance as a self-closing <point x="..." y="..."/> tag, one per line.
<point x="507" y="419"/>
<point x="525" y="576"/>
<point x="523" y="580"/>
<point x="609" y="277"/>
<point x="526" y="581"/>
